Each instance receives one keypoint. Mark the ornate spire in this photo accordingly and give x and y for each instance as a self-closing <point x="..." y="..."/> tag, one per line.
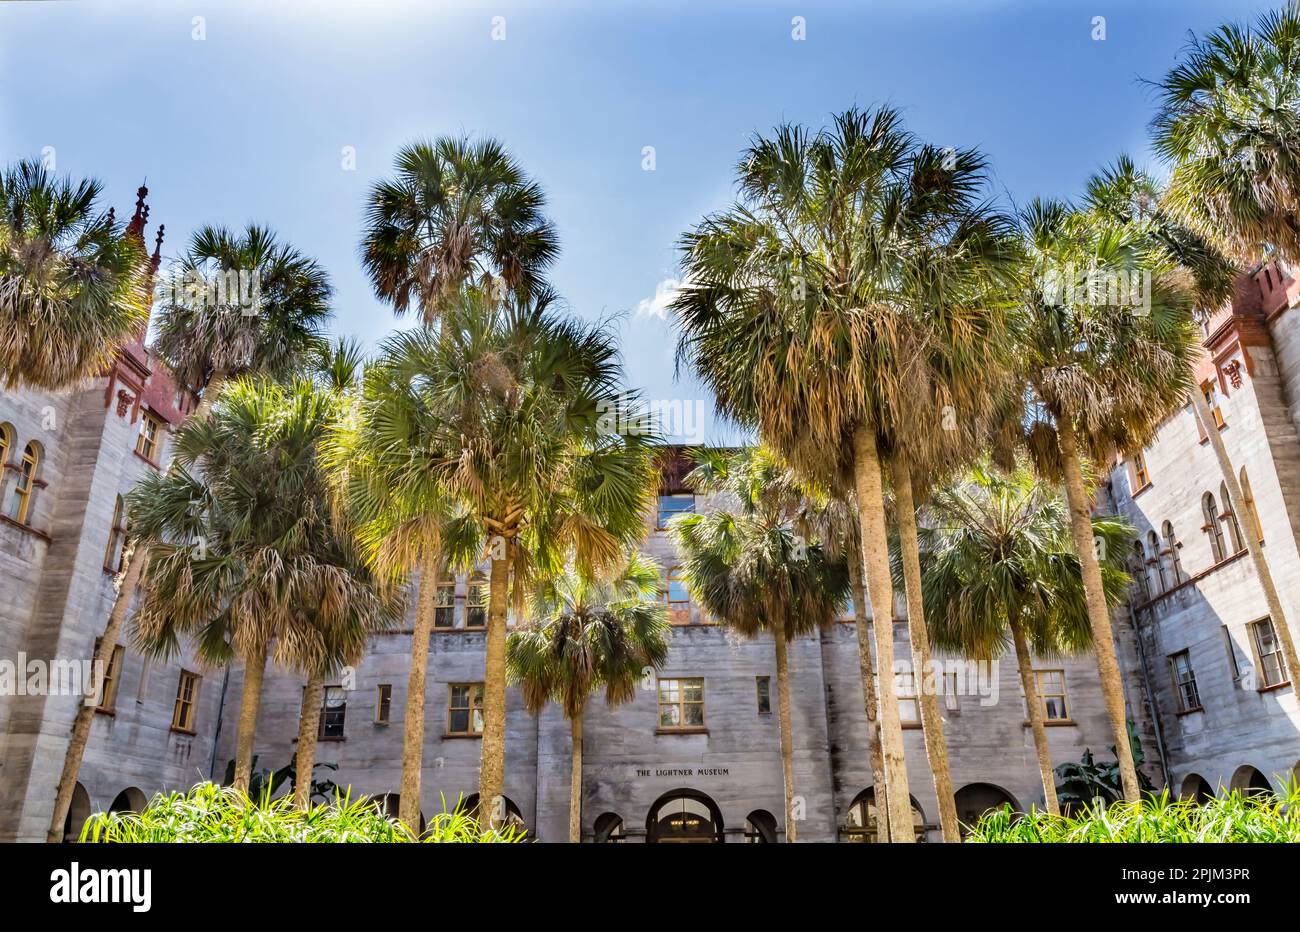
<point x="156" y="259"/>
<point x="141" y="216"/>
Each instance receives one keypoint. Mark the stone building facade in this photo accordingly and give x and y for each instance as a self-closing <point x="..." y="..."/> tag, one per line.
<point x="696" y="755"/>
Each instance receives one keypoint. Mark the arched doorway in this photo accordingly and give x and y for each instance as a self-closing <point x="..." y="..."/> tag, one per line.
<point x="390" y="804"/>
<point x="1250" y="781"/>
<point x="860" y="824"/>
<point x="609" y="829"/>
<point x="78" y="813"/>
<point x="1196" y="788"/>
<point x="129" y="800"/>
<point x="975" y="799"/>
<point x="760" y="827"/>
<point x="684" y="815"/>
<point x="512" y="816"/>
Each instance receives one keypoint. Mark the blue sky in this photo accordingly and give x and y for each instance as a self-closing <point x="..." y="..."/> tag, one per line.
<point x="250" y="123"/>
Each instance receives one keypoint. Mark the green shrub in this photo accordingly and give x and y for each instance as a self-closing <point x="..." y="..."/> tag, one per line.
<point x="1233" y="817"/>
<point x="211" y="813"/>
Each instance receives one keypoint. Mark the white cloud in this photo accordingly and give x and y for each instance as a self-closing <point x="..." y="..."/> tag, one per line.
<point x="657" y="306"/>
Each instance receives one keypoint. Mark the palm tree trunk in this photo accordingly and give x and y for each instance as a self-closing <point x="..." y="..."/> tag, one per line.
<point x="1103" y="640"/>
<point x="1249" y="523"/>
<point x="492" y="764"/>
<point x="927" y="689"/>
<point x="250" y="701"/>
<point x="81" y="722"/>
<point x="787" y="736"/>
<point x="408" y="802"/>
<point x="869" y="487"/>
<point x="869" y="690"/>
<point x="308" y="729"/>
<point x="575" y="781"/>
<point x="1035" y="706"/>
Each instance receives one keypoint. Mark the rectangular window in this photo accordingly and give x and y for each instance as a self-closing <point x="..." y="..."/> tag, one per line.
<point x="383" y="704"/>
<point x="681" y="703"/>
<point x="1051" y="693"/>
<point x="187" y="698"/>
<point x="1180" y="668"/>
<point x="764" y="694"/>
<point x="909" y="709"/>
<point x="476" y="603"/>
<point x="112" y="670"/>
<point x="1141" y="477"/>
<point x="1272" y="671"/>
<point x="465" y="709"/>
<point x="147" y="443"/>
<point x="444" y="612"/>
<point x="1233" y="666"/>
<point x="333" y="712"/>
<point x="950" y="700"/>
<point x="677" y="598"/>
<point x="670" y="506"/>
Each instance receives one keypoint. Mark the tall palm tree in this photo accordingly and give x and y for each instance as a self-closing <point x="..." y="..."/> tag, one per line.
<point x="587" y="634"/>
<point x="1000" y="567"/>
<point x="1100" y="376"/>
<point x="73" y="287"/>
<point x="1229" y="123"/>
<point x="213" y="326"/>
<point x="244" y="554"/>
<point x="805" y="310"/>
<point x="457" y="213"/>
<point x="754" y="572"/>
<point x="496" y="419"/>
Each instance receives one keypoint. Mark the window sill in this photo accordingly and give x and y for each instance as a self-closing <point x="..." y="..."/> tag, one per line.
<point x="187" y="732"/>
<point x="322" y="738"/>
<point x="381" y="724"/>
<point x="911" y="726"/>
<point x="5" y="519"/>
<point x="1138" y="492"/>
<point x="700" y="730"/>
<point x="100" y="710"/>
<point x="1197" y="708"/>
<point x="1268" y="689"/>
<point x="460" y="734"/>
<point x="143" y="458"/>
<point x="1054" y="723"/>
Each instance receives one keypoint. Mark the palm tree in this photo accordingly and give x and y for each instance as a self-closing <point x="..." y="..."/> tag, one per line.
<point x="1100" y="376"/>
<point x="214" y="325"/>
<point x="807" y="310"/>
<point x="73" y="286"/>
<point x="244" y="555"/>
<point x="754" y="572"/>
<point x="488" y="436"/>
<point x="1000" y="566"/>
<point x="587" y="634"/>
<point x="1229" y="124"/>
<point x="458" y="213"/>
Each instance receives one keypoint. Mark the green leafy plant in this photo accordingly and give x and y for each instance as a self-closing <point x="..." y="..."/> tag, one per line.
<point x="1090" y="779"/>
<point x="1233" y="817"/>
<point x="209" y="813"/>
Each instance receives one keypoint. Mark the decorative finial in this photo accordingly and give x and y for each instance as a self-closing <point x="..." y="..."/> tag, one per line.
<point x="157" y="248"/>
<point x="136" y="226"/>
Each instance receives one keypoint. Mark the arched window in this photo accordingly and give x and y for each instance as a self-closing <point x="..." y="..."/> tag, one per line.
<point x="976" y="799"/>
<point x="20" y="505"/>
<point x="1230" y="519"/>
<point x="116" y="538"/>
<point x="1138" y="570"/>
<point x="1162" y="580"/>
<point x="860" y="826"/>
<point x="1172" y="546"/>
<point x="1211" y="526"/>
<point x="1249" y="501"/>
<point x="609" y="829"/>
<point x="6" y="441"/>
